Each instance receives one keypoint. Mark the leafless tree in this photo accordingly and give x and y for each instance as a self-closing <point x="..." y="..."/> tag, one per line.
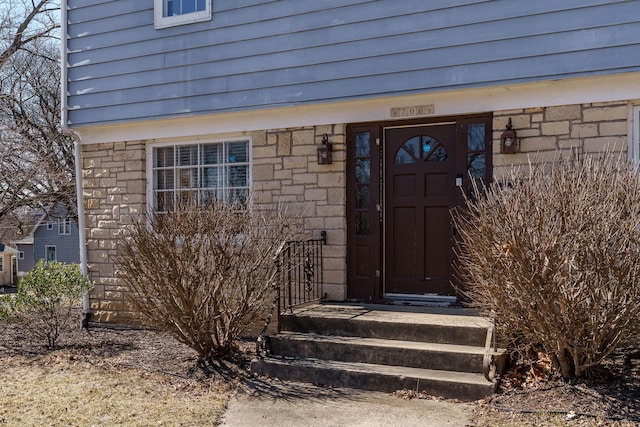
<point x="23" y="22"/>
<point x="36" y="158"/>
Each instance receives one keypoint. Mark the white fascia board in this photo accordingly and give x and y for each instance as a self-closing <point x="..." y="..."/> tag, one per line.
<point x="615" y="87"/>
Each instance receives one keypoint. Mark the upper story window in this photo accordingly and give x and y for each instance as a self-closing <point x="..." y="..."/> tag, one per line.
<point x="64" y="226"/>
<point x="203" y="172"/>
<point x="168" y="13"/>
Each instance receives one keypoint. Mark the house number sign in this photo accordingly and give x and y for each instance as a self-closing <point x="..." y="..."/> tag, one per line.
<point x="416" y="110"/>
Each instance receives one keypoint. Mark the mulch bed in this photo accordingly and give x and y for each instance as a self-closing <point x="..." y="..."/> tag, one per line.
<point x="610" y="396"/>
<point x="118" y="347"/>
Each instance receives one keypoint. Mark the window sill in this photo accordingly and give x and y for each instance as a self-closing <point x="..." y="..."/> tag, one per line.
<point x="161" y="22"/>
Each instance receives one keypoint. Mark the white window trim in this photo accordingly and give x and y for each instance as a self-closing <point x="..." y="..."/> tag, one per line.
<point x="149" y="159"/>
<point x="161" y="21"/>
<point x="46" y="247"/>
<point x="64" y="226"/>
<point x="20" y="255"/>
<point x="634" y="132"/>
<point x="49" y="225"/>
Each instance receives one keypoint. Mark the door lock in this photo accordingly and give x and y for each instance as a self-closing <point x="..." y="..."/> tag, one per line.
<point x="459" y="180"/>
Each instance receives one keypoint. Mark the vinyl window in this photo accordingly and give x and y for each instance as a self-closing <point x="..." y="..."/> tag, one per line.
<point x="200" y="173"/>
<point x="168" y="13"/>
<point x="64" y="226"/>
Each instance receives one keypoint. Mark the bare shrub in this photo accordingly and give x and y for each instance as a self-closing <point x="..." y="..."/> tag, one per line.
<point x="205" y="273"/>
<point x="554" y="254"/>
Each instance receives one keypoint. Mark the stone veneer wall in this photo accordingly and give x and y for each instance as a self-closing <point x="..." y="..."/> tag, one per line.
<point x="114" y="184"/>
<point x="548" y="132"/>
<point x="284" y="169"/>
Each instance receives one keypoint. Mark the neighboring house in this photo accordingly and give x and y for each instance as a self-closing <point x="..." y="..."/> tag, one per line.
<point x="213" y="98"/>
<point x="53" y="238"/>
<point x="7" y="265"/>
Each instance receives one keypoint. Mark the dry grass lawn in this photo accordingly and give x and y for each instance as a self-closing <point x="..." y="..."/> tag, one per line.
<point x="107" y="378"/>
<point x="37" y="393"/>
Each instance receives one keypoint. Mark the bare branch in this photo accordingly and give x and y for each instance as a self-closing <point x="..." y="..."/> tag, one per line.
<point x="553" y="252"/>
<point x="204" y="274"/>
<point x="36" y="158"/>
<point x="26" y="28"/>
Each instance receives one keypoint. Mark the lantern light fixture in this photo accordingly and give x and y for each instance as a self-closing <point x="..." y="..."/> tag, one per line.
<point x="325" y="151"/>
<point x="509" y="140"/>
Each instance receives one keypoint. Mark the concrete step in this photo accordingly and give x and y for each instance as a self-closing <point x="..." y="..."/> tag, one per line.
<point x="443" y="326"/>
<point x="458" y="385"/>
<point x="414" y="354"/>
<point x="383" y="348"/>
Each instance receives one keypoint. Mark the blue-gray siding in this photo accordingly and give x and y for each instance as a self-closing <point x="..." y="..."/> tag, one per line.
<point x="264" y="53"/>
<point x="28" y="260"/>
<point x="67" y="247"/>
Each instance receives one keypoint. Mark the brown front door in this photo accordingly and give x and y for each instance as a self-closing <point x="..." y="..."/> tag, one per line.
<point x="403" y="179"/>
<point x="420" y="189"/>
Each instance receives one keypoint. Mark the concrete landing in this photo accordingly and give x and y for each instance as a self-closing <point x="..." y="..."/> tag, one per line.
<point x="396" y="322"/>
<point x="393" y="312"/>
<point x="453" y="316"/>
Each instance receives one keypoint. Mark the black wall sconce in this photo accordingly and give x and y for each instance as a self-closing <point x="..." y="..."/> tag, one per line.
<point x="324" y="151"/>
<point x="509" y="140"/>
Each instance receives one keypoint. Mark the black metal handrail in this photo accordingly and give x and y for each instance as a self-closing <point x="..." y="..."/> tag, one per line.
<point x="298" y="280"/>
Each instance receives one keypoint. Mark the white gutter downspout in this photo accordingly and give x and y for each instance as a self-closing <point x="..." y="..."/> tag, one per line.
<point x="86" y="308"/>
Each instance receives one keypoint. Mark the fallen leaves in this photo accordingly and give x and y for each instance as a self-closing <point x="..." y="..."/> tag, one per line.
<point x="406" y="394"/>
<point x="535" y="370"/>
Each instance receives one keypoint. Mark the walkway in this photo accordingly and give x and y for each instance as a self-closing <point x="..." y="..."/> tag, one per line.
<point x="268" y="402"/>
